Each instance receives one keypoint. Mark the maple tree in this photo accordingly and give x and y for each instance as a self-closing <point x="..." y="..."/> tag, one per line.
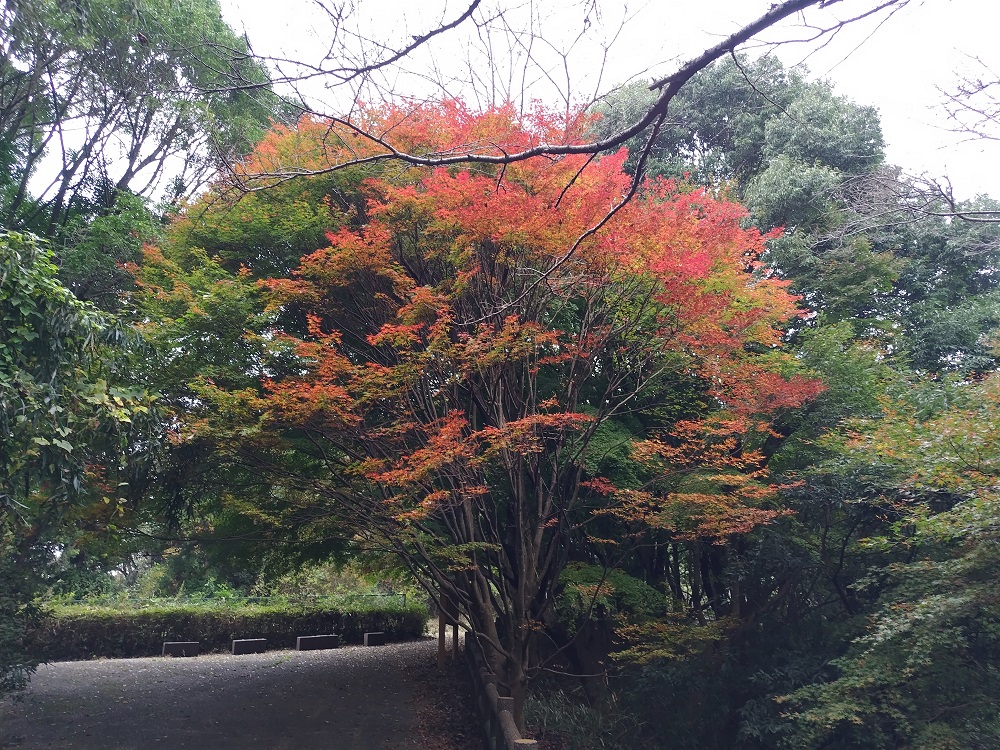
<point x="457" y="348"/>
<point x="558" y="406"/>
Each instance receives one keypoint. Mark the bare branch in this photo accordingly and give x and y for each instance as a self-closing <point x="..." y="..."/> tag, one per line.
<point x="418" y="41"/>
<point x="973" y="107"/>
<point x="887" y="199"/>
<point x="476" y="153"/>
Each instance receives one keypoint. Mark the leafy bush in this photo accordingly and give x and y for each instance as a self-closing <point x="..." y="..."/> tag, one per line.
<point x="81" y="631"/>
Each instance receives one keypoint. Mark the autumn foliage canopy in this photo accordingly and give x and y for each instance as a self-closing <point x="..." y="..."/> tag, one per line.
<point x="450" y="328"/>
<point x="466" y="367"/>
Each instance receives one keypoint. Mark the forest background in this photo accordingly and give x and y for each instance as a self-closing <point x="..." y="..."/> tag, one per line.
<point x="699" y="433"/>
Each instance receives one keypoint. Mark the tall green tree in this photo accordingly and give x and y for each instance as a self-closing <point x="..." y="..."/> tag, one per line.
<point x="924" y="673"/>
<point x="106" y="97"/>
<point x="72" y="428"/>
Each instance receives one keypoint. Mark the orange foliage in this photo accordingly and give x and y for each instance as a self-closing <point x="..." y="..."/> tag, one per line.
<point x="317" y="143"/>
<point x="460" y="332"/>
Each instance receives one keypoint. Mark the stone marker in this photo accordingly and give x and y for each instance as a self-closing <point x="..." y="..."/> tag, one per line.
<point x="249" y="646"/>
<point x="375" y="639"/>
<point x="180" y="648"/>
<point x="315" y="642"/>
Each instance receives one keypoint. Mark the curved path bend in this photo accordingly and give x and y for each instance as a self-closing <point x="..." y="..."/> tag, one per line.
<point x="351" y="698"/>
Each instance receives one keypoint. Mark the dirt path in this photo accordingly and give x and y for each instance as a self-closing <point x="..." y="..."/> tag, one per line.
<point x="352" y="698"/>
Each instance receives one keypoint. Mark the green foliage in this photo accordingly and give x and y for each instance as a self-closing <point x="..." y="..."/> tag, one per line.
<point x="18" y="615"/>
<point x="846" y="281"/>
<point x="855" y="374"/>
<point x="58" y="410"/>
<point x="947" y="277"/>
<point x="66" y="430"/>
<point x="609" y="450"/>
<point x="889" y="472"/>
<point x="86" y="631"/>
<point x="265" y="232"/>
<point x="819" y="127"/>
<point x="734" y="119"/>
<point x="95" y="252"/>
<point x="207" y="328"/>
<point x="785" y="147"/>
<point x="205" y="320"/>
<point x="362" y="575"/>
<point x="924" y="675"/>
<point x="718" y="120"/>
<point x="78" y="574"/>
<point x="145" y="85"/>
<point x="204" y="324"/>
<point x="592" y="592"/>
<point x="791" y="193"/>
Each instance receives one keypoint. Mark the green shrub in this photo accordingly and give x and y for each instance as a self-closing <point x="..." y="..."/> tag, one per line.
<point x="81" y="631"/>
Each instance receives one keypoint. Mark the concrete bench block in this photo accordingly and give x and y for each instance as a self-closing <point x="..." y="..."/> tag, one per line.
<point x="180" y="648"/>
<point x="316" y="642"/>
<point x="249" y="646"/>
<point x="375" y="639"/>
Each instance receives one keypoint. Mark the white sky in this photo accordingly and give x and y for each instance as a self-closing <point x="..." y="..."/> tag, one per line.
<point x="898" y="66"/>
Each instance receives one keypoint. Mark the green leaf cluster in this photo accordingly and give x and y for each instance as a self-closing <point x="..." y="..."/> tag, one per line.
<point x="67" y="425"/>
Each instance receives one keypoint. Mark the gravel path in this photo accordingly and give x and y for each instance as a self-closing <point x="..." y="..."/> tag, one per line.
<point x="351" y="698"/>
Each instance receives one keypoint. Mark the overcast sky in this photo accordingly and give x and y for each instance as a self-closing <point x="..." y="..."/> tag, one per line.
<point x="897" y="66"/>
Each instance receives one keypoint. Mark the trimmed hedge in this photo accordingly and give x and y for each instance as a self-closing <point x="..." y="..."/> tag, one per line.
<point x="75" y="632"/>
